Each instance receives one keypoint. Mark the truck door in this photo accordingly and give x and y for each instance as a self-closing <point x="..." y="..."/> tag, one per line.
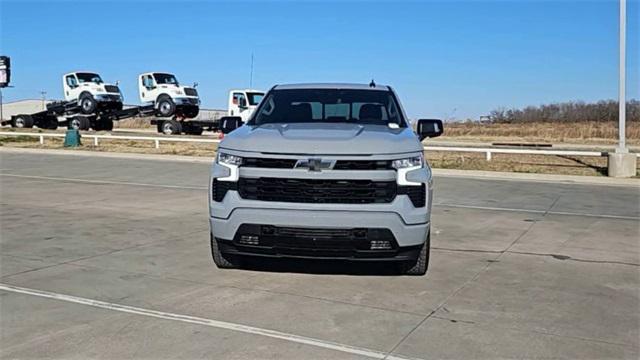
<point x="238" y="105"/>
<point x="71" y="87"/>
<point x="147" y="88"/>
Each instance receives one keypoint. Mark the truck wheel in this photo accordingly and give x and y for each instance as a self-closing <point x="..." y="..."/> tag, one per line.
<point x="88" y="104"/>
<point x="420" y="265"/>
<point x="166" y="106"/>
<point x="22" y="121"/>
<point x="171" y="127"/>
<point x="79" y="123"/>
<point x="221" y="260"/>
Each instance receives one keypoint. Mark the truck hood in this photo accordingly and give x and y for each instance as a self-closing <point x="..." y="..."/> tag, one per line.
<point x="322" y="139"/>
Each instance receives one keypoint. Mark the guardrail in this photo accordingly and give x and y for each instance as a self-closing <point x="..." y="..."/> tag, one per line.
<point x="487" y="151"/>
<point x="96" y="138"/>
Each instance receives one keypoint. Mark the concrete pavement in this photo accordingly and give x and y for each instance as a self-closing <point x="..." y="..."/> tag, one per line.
<point x="518" y="270"/>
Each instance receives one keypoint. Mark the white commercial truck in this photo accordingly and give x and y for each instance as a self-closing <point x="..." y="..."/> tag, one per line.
<point x="243" y="103"/>
<point x="168" y="97"/>
<point x="91" y="93"/>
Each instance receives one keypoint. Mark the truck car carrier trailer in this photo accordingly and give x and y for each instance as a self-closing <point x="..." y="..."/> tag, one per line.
<point x="91" y="104"/>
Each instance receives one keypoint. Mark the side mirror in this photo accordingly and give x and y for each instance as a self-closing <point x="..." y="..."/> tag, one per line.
<point x="230" y="123"/>
<point x="195" y="85"/>
<point x="429" y="128"/>
<point x="242" y="102"/>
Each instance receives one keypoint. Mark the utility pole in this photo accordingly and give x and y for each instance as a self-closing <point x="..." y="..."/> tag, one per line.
<point x="622" y="104"/>
<point x="621" y="162"/>
<point x="44" y="98"/>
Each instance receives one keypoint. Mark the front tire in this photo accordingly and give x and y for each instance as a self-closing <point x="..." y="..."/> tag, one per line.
<point x="421" y="264"/>
<point x="166" y="106"/>
<point x="88" y="104"/>
<point x="221" y="260"/>
<point x="22" y="122"/>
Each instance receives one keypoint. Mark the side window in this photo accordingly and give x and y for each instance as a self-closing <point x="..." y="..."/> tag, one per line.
<point x="238" y="98"/>
<point x="71" y="81"/>
<point x="394" y="112"/>
<point x="147" y="81"/>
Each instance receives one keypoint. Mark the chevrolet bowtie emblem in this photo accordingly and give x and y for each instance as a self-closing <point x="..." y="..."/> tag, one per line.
<point x="315" y="164"/>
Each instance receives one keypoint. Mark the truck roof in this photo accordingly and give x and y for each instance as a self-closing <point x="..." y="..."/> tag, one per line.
<point x="331" y="86"/>
<point x="82" y="71"/>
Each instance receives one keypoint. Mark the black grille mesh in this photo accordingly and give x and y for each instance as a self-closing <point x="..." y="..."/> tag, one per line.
<point x="317" y="191"/>
<point x="269" y="163"/>
<point x="111" y="89"/>
<point x="220" y="188"/>
<point x="190" y="92"/>
<point x="363" y="165"/>
<point x="417" y="194"/>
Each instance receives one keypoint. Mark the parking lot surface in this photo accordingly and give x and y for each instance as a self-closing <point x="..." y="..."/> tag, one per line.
<point x="109" y="258"/>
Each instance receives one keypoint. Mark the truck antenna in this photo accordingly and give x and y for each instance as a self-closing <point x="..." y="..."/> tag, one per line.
<point x="372" y="83"/>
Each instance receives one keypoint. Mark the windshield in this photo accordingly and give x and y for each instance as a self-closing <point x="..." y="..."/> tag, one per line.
<point x="165" y="79"/>
<point x="255" y="97"/>
<point x="89" y="77"/>
<point x="377" y="107"/>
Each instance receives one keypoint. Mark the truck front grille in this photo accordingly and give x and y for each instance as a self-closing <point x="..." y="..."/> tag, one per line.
<point x="275" y="163"/>
<point x="271" y="163"/>
<point x="190" y="92"/>
<point x="112" y="89"/>
<point x="317" y="191"/>
<point x="363" y="165"/>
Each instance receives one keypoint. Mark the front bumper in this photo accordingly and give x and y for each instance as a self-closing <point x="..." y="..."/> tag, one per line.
<point x="108" y="98"/>
<point x="187" y="101"/>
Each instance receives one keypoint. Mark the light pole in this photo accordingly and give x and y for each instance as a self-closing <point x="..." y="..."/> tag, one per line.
<point x="621" y="162"/>
<point x="622" y="113"/>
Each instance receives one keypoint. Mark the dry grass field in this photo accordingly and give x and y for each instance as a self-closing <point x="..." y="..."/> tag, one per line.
<point x="585" y="132"/>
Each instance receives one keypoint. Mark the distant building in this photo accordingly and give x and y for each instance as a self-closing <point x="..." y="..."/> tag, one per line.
<point x="22" y="107"/>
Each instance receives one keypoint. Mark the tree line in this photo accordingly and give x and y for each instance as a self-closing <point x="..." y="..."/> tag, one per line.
<point x="601" y="111"/>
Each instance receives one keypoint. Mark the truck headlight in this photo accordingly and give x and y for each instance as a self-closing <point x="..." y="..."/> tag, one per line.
<point x="406" y="165"/>
<point x="412" y="162"/>
<point x="178" y="92"/>
<point x="228" y="159"/>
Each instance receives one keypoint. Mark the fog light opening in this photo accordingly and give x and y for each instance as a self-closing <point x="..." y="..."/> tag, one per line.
<point x="380" y="245"/>
<point x="249" y="240"/>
